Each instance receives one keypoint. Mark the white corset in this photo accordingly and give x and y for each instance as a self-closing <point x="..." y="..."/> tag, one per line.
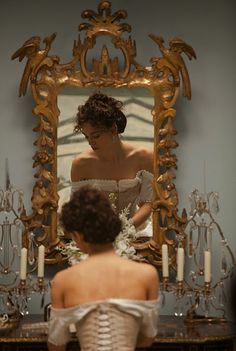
<point x="106" y="325"/>
<point x="107" y="329"/>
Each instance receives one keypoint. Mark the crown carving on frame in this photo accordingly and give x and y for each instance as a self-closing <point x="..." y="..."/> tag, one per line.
<point x="105" y="23"/>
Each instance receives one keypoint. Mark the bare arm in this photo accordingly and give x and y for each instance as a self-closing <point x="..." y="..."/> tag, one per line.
<point x="83" y="166"/>
<point x="142" y="214"/>
<point x="76" y="170"/>
<point x="57" y="302"/>
<point x="57" y="298"/>
<point x="152" y="294"/>
<point x="153" y="284"/>
<point x="145" y="158"/>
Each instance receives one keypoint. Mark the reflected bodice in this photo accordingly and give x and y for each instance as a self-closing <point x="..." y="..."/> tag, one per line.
<point x="125" y="192"/>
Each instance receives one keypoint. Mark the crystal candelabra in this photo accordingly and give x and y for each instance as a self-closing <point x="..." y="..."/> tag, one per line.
<point x="16" y="286"/>
<point x="200" y="294"/>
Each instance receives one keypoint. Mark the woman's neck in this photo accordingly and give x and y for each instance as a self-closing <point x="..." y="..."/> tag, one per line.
<point x="101" y="249"/>
<point x="114" y="153"/>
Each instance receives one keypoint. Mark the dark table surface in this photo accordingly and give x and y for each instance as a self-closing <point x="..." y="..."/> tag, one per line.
<point x="171" y="330"/>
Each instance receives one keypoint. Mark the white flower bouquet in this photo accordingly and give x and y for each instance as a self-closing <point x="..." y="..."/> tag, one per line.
<point x="122" y="243"/>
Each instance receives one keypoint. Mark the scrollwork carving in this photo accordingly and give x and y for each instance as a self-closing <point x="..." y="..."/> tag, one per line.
<point x="163" y="78"/>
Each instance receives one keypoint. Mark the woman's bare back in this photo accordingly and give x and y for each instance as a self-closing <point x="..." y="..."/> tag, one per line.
<point x="108" y="276"/>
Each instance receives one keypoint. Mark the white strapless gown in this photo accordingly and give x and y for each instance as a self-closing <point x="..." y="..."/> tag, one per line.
<point x="105" y="325"/>
<point x="126" y="193"/>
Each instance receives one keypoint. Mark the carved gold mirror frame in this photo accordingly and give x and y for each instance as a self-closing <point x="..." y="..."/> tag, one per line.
<point x="48" y="76"/>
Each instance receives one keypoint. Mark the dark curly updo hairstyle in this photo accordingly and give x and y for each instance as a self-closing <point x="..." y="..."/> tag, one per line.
<point x="90" y="213"/>
<point x="101" y="110"/>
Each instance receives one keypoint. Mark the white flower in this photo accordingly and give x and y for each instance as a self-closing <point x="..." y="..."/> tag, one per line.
<point x="73" y="252"/>
<point x="121" y="245"/>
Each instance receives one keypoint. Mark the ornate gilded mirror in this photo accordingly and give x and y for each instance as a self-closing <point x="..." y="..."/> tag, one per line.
<point x="113" y="66"/>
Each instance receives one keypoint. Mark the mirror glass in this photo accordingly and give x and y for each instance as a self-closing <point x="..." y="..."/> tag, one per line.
<point x="138" y="104"/>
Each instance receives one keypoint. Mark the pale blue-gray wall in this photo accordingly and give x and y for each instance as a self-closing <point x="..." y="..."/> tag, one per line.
<point x="206" y="124"/>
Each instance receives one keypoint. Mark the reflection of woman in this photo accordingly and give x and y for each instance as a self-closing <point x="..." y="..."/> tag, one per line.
<point x="111" y="301"/>
<point x="113" y="165"/>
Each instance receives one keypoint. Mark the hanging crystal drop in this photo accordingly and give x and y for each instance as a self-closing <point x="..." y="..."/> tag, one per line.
<point x="31" y="251"/>
<point x="220" y="299"/>
<point x="178" y="308"/>
<point x="209" y="238"/>
<point x="193" y="276"/>
<point x="162" y="298"/>
<point x="222" y="295"/>
<point x="206" y="306"/>
<point x="20" y="202"/>
<point x="8" y="201"/>
<point x="190" y="243"/>
<point x="4" y="202"/>
<point x="18" y="237"/>
<point x="215" y="204"/>
<point x="6" y="229"/>
<point x="191" y="247"/>
<point x="223" y="265"/>
<point x="223" y="262"/>
<point x="204" y="233"/>
<point x="192" y="204"/>
<point x="201" y="230"/>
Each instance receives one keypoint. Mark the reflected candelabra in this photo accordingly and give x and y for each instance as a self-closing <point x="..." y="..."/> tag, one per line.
<point x="15" y="286"/>
<point x="200" y="294"/>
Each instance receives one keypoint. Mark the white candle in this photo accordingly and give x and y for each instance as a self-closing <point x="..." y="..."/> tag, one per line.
<point x="207" y="266"/>
<point x="23" y="263"/>
<point x="165" y="266"/>
<point x="41" y="252"/>
<point x="180" y="264"/>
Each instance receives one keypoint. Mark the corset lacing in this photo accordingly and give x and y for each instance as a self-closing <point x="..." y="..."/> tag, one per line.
<point x="108" y="329"/>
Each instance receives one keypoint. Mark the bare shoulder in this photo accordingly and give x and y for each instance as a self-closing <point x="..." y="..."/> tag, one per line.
<point x="151" y="281"/>
<point x="146" y="159"/>
<point x="58" y="288"/>
<point x="81" y="165"/>
<point x="138" y="151"/>
<point x="149" y="270"/>
<point x="143" y="157"/>
<point x="58" y="279"/>
<point x="144" y="269"/>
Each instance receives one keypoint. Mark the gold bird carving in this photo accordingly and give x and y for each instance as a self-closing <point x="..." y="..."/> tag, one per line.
<point x="36" y="58"/>
<point x="174" y="59"/>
